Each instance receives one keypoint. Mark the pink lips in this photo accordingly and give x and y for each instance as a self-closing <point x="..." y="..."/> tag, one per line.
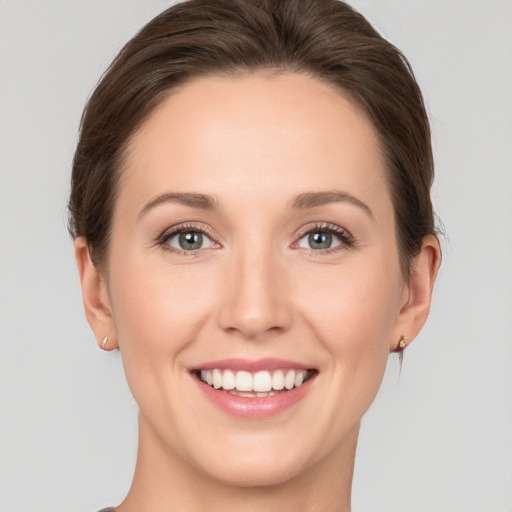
<point x="253" y="407"/>
<point x="253" y="366"/>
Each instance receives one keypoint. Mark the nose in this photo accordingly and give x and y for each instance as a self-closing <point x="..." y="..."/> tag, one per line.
<point x="256" y="300"/>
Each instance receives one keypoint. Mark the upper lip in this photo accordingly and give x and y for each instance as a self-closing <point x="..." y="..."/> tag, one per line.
<point x="248" y="365"/>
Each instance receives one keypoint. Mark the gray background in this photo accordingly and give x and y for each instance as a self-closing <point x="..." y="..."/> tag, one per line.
<point x="440" y="440"/>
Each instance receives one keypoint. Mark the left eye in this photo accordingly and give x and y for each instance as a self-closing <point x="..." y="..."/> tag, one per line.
<point x="189" y="240"/>
<point x="319" y="240"/>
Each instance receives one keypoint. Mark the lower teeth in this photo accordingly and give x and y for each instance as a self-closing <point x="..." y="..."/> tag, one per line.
<point x="249" y="394"/>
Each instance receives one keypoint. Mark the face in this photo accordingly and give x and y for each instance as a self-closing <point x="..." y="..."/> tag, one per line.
<point x="253" y="275"/>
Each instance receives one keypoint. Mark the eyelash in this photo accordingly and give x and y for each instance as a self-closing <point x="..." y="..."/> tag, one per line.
<point x="168" y="234"/>
<point x="347" y="240"/>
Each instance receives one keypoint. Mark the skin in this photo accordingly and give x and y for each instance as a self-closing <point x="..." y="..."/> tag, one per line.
<point x="256" y="289"/>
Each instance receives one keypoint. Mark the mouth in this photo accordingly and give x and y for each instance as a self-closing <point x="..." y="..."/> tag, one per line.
<point x="258" y="384"/>
<point x="255" y="389"/>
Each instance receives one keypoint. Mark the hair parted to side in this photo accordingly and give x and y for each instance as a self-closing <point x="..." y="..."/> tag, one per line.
<point x="326" y="39"/>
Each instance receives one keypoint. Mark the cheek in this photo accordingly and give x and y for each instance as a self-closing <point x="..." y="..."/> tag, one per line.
<point x="159" y="312"/>
<point x="159" y="308"/>
<point x="353" y="305"/>
<point x="353" y="311"/>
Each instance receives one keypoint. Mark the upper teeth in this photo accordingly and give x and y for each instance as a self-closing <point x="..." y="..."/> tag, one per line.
<point x="260" y="381"/>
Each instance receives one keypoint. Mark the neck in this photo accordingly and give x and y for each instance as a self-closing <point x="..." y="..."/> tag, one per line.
<point x="164" y="482"/>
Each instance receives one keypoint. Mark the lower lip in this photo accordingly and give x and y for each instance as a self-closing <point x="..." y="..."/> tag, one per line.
<point x="258" y="407"/>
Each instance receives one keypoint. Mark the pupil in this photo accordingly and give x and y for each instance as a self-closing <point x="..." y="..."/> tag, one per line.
<point x="191" y="240"/>
<point x="320" y="240"/>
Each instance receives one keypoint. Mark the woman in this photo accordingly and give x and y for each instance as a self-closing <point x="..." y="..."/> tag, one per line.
<point x="253" y="230"/>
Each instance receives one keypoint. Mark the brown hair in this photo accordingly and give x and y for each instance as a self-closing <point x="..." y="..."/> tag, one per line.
<point x="324" y="38"/>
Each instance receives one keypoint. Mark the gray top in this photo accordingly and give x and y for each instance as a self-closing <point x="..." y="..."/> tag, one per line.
<point x="108" y="509"/>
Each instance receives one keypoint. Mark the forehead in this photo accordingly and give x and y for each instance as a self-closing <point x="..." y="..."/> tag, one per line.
<point x="256" y="133"/>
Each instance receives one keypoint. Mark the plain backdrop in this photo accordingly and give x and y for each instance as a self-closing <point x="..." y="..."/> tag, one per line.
<point x="438" y="440"/>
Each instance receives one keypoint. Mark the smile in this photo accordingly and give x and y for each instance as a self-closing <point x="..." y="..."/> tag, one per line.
<point x="259" y="384"/>
<point x="254" y="389"/>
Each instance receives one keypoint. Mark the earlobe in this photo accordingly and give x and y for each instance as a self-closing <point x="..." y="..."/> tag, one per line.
<point x="96" y="301"/>
<point x="418" y="293"/>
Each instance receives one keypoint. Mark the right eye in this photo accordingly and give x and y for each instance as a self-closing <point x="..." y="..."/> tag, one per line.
<point x="188" y="240"/>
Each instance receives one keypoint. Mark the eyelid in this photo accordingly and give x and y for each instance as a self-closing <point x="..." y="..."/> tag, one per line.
<point x="347" y="240"/>
<point x="176" y="229"/>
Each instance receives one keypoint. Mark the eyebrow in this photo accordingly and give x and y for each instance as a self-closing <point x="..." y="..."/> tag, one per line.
<point x="199" y="201"/>
<point x="300" y="202"/>
<point x="312" y="199"/>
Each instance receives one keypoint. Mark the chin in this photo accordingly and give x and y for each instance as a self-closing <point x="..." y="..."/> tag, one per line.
<point x="255" y="473"/>
<point x="261" y="461"/>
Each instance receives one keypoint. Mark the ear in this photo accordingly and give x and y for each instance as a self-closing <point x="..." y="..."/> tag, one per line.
<point x="95" y="297"/>
<point x="417" y="294"/>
